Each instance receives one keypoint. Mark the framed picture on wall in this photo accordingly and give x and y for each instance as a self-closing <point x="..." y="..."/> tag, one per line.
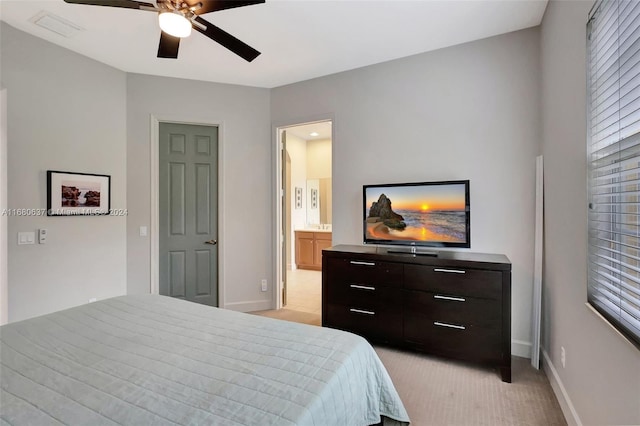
<point x="77" y="194"/>
<point x="298" y="197"/>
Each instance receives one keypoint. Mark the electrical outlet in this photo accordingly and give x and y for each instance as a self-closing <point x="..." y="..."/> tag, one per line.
<point x="264" y="285"/>
<point x="93" y="299"/>
<point x="563" y="356"/>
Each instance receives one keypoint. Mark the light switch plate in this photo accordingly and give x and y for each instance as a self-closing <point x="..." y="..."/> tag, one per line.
<point x="143" y="231"/>
<point x="26" y="238"/>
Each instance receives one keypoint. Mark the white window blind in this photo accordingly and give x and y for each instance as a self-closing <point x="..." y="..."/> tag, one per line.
<point x="613" y="80"/>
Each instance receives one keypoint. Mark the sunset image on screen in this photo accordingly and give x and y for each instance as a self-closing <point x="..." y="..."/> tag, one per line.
<point x="440" y="197"/>
<point x="428" y="213"/>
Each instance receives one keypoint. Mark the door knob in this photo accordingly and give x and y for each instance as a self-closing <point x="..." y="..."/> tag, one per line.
<point x="212" y="242"/>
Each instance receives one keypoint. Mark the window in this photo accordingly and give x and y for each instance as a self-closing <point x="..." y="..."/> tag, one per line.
<point x="613" y="84"/>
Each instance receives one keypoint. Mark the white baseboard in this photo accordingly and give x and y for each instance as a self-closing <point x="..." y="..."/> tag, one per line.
<point x="569" y="411"/>
<point x="249" y="306"/>
<point x="520" y="348"/>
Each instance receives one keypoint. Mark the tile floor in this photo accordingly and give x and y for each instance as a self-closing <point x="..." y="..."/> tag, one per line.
<point x="304" y="291"/>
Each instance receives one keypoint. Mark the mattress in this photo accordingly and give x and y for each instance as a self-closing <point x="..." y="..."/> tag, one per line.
<point x="155" y="360"/>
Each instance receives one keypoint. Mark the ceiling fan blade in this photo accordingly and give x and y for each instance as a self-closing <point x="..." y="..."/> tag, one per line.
<point x="168" y="47"/>
<point x="113" y="3"/>
<point x="215" y="5"/>
<point x="222" y="37"/>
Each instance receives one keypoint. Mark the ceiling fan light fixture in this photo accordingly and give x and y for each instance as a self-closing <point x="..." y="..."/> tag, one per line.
<point x="174" y="23"/>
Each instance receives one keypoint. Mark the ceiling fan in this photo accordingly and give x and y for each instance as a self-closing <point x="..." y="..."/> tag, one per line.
<point x="178" y="17"/>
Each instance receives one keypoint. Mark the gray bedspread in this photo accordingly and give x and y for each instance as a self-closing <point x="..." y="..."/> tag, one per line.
<point x="154" y="360"/>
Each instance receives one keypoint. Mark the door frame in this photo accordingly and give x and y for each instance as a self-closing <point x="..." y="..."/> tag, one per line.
<point x="154" y="153"/>
<point x="278" y="232"/>
<point x="4" y="187"/>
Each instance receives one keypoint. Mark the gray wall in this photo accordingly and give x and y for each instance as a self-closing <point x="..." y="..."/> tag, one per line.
<point x="246" y="217"/>
<point x="465" y="112"/>
<point x="65" y="112"/>
<point x="601" y="379"/>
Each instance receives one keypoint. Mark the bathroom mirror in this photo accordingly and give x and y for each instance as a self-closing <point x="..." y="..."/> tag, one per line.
<point x="318" y="201"/>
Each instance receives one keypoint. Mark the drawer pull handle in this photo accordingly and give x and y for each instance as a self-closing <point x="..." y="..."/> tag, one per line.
<point x="451" y="271"/>
<point x="362" y="287"/>
<point x="444" y="324"/>
<point x="360" y="311"/>
<point x="357" y="262"/>
<point x="455" y="299"/>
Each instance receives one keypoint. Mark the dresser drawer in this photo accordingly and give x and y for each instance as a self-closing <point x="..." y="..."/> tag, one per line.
<point x="441" y="338"/>
<point x="454" y="281"/>
<point x="365" y="272"/>
<point x="461" y="310"/>
<point x="367" y="295"/>
<point x="377" y="324"/>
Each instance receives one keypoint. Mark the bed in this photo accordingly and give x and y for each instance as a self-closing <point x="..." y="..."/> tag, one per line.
<point x="155" y="360"/>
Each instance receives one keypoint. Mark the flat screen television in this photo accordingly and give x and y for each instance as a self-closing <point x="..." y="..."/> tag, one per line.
<point x="430" y="214"/>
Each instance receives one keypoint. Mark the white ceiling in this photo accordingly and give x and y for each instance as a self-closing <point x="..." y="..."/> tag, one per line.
<point x="299" y="39"/>
<point x="304" y="131"/>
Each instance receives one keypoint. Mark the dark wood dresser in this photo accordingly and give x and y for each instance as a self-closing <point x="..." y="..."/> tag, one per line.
<point x="456" y="304"/>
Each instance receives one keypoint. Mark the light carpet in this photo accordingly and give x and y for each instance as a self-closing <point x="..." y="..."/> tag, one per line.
<point x="437" y="391"/>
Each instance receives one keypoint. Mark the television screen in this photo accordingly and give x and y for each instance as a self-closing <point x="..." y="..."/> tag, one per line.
<point x="433" y="214"/>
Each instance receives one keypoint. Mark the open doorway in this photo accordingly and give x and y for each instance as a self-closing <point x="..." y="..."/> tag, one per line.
<point x="305" y="217"/>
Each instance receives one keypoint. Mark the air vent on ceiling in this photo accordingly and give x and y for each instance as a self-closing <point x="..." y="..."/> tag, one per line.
<point x="56" y="24"/>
